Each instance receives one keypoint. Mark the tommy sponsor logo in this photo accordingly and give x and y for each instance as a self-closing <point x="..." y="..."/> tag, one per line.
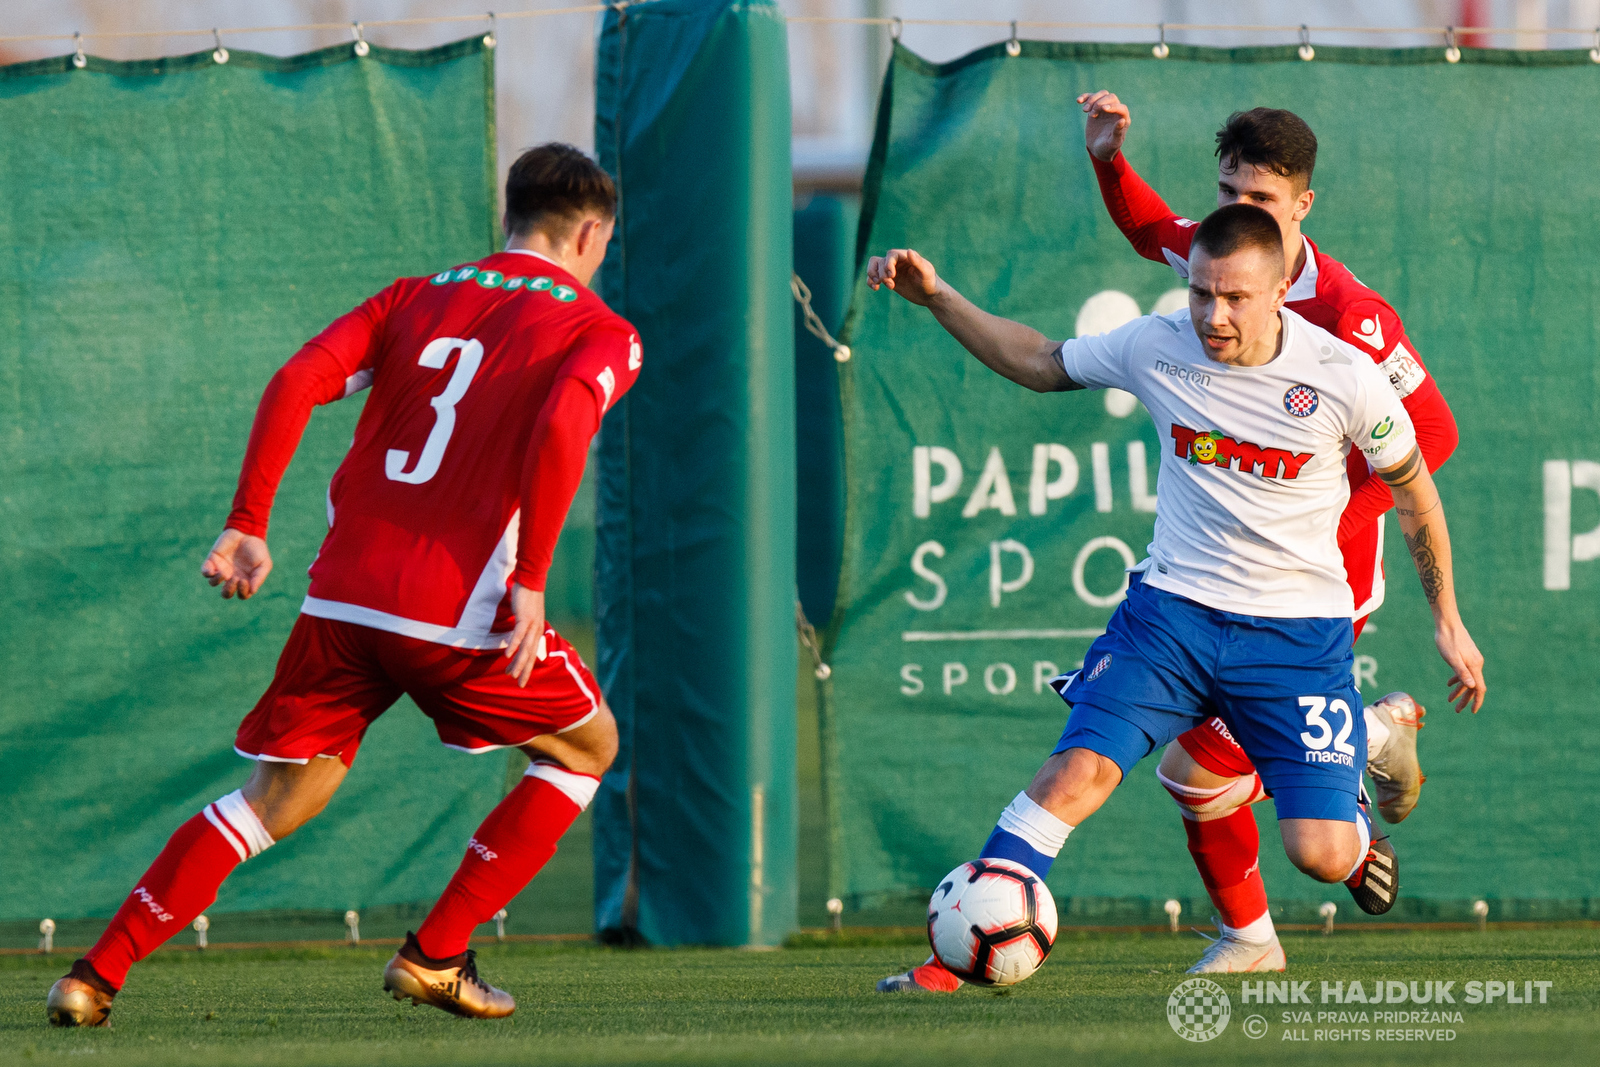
<point x="485" y="853"/>
<point x="1371" y="332"/>
<point x="1184" y="374"/>
<point x="1213" y="448"/>
<point x="150" y="902"/>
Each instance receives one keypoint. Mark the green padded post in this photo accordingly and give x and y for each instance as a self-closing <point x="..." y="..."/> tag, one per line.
<point x="695" y="825"/>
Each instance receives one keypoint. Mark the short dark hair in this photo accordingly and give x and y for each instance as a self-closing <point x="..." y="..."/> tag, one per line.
<point x="1272" y="138"/>
<point x="1237" y="227"/>
<point x="556" y="183"/>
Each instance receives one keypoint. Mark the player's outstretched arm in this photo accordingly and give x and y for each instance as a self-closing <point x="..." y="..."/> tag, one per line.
<point x="1421" y="515"/>
<point x="239" y="563"/>
<point x="1107" y="128"/>
<point x="1008" y="348"/>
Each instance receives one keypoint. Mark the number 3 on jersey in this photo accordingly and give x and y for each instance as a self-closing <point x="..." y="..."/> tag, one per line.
<point x="436" y="355"/>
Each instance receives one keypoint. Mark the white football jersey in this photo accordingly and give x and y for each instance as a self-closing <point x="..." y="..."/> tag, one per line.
<point x="1252" y="477"/>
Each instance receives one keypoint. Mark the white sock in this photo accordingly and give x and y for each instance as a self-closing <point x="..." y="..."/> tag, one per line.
<point x="239" y="824"/>
<point x="1377" y="732"/>
<point x="1258" y="932"/>
<point x="1042" y="831"/>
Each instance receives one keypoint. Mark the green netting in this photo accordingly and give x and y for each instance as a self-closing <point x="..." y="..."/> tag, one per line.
<point x="1473" y="214"/>
<point x="175" y="230"/>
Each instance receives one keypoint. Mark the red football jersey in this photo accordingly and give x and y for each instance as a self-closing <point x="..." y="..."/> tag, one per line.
<point x="1328" y="295"/>
<point x="474" y="376"/>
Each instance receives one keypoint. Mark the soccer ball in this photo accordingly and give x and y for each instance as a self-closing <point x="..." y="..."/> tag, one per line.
<point x="992" y="922"/>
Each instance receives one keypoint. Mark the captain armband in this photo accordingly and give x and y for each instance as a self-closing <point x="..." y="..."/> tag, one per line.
<point x="1405" y="471"/>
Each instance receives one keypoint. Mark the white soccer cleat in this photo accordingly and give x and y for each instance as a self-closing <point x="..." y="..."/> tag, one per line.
<point x="1230" y="955"/>
<point x="1395" y="770"/>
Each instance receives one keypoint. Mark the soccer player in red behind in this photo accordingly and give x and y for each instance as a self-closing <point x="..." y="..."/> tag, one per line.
<point x="1266" y="157"/>
<point x="488" y="381"/>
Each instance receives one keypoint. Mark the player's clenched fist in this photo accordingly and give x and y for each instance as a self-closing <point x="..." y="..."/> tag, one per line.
<point x="239" y="563"/>
<point x="906" y="272"/>
<point x="1108" y="124"/>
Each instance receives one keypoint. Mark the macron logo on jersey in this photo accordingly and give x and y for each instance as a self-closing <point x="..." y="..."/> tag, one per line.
<point x="608" y="382"/>
<point x="1371" y="332"/>
<point x="1212" y="448"/>
<point x="635" y="354"/>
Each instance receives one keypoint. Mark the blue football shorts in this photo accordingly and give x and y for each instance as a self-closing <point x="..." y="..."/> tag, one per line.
<point x="1284" y="688"/>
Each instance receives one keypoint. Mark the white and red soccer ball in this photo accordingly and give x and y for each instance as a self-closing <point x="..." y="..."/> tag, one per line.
<point x="992" y="922"/>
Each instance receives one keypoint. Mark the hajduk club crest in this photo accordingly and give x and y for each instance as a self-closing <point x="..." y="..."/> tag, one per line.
<point x="1300" y="401"/>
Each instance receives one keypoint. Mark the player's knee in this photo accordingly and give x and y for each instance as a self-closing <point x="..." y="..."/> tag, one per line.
<point x="1178" y="765"/>
<point x="1203" y="802"/>
<point x="1076" y="778"/>
<point x="1324" y="859"/>
<point x="286" y="796"/>
<point x="1324" y="867"/>
<point x="606" y="742"/>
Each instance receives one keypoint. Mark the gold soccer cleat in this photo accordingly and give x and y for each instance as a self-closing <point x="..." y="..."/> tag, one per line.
<point x="1395" y="770"/>
<point x="451" y="985"/>
<point x="80" y="998"/>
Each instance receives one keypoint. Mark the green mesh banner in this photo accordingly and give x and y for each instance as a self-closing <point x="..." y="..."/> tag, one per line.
<point x="988" y="526"/>
<point x="174" y="231"/>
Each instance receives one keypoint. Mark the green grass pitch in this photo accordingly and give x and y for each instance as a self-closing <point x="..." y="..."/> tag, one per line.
<point x="1101" y="999"/>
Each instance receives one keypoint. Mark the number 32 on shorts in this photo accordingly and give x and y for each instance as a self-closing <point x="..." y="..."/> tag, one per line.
<point x="1314" y="708"/>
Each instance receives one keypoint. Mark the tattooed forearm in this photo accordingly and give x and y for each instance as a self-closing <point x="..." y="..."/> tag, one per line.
<point x="1428" y="569"/>
<point x="1405" y="472"/>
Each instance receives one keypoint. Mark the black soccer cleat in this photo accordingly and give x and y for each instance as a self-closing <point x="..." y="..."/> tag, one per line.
<point x="1376" y="883"/>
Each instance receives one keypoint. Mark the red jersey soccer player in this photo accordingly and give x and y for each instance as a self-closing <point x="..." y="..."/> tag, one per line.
<point x="488" y="382"/>
<point x="1266" y="159"/>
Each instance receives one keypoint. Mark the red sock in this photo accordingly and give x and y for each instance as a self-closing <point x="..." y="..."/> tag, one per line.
<point x="514" y="842"/>
<point x="179" y="885"/>
<point x="1227" y="853"/>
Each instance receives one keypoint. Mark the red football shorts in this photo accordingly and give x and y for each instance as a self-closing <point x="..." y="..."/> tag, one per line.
<point x="335" y="678"/>
<point x="1213" y="747"/>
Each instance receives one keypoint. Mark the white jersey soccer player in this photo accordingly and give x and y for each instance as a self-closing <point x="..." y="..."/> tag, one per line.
<point x="1265" y="545"/>
<point x="1242" y="609"/>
